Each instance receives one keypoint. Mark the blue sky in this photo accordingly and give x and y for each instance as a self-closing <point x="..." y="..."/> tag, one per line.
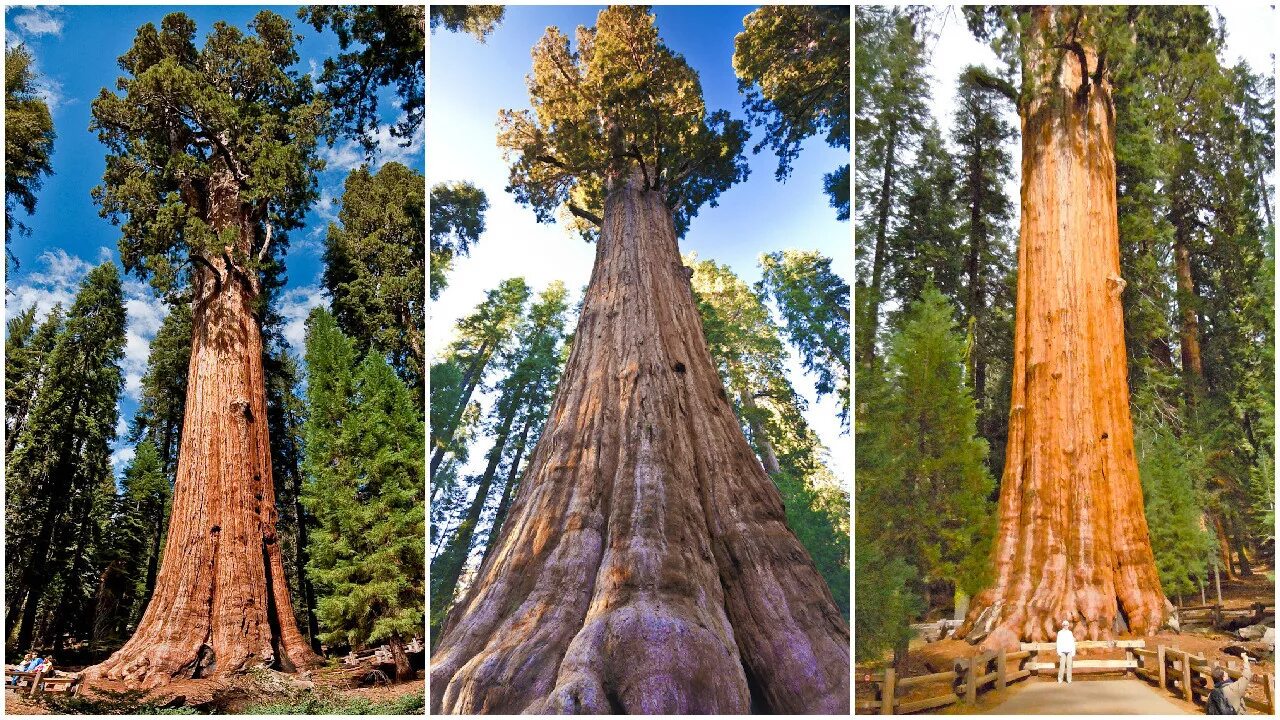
<point x="469" y="82"/>
<point x="75" y="48"/>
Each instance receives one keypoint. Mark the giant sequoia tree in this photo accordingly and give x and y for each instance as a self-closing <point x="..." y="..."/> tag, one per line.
<point x="646" y="564"/>
<point x="1072" y="537"/>
<point x="212" y="158"/>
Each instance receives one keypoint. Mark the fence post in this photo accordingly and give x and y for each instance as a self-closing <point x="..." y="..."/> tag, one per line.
<point x="971" y="681"/>
<point x="1269" y="690"/>
<point x="1001" y="669"/>
<point x="35" y="683"/>
<point x="887" y="693"/>
<point x="1186" y="678"/>
<point x="1160" y="662"/>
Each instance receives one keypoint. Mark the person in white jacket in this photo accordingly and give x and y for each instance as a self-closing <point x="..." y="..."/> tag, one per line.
<point x="1066" y="650"/>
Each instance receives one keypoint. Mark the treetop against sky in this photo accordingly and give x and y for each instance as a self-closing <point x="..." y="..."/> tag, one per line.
<point x="76" y="50"/>
<point x="471" y="82"/>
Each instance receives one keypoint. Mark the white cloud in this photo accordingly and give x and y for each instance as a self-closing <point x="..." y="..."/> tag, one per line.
<point x="120" y="458"/>
<point x="295" y="304"/>
<point x="56" y="283"/>
<point x="145" y="314"/>
<point x="40" y="20"/>
<point x="347" y="154"/>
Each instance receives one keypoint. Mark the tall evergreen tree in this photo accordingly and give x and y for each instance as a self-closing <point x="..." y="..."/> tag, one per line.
<point x="528" y="368"/>
<point x="365" y="490"/>
<point x="56" y="473"/>
<point x="792" y="63"/>
<point x="212" y="159"/>
<point x="374" y="267"/>
<point x="28" y="140"/>
<point x="927" y="243"/>
<point x="922" y="486"/>
<point x="814" y="302"/>
<point x="620" y="144"/>
<point x="27" y="348"/>
<point x="482" y="334"/>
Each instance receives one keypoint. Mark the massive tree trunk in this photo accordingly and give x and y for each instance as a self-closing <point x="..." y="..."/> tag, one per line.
<point x="1072" y="537"/>
<point x="221" y="602"/>
<point x="646" y="565"/>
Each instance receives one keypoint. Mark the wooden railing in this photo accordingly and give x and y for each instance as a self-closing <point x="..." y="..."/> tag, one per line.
<point x="1189" y="676"/>
<point x="1050" y="653"/>
<point x="1218" y="616"/>
<point x="970" y="677"/>
<point x="35" y="682"/>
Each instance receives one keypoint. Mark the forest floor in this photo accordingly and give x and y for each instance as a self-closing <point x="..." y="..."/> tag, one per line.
<point x="329" y="692"/>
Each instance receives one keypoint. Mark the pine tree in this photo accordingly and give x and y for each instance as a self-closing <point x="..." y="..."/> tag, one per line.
<point x="457" y="222"/>
<point x="641" y="458"/>
<point x="365" y="489"/>
<point x="1173" y="497"/>
<point x="374" y="267"/>
<point x="391" y="41"/>
<point x="792" y="63"/>
<point x="29" y="136"/>
<point x="886" y="603"/>
<point x="927" y="243"/>
<point x="814" y="303"/>
<point x="212" y="159"/>
<point x="58" y="468"/>
<point x="485" y="332"/>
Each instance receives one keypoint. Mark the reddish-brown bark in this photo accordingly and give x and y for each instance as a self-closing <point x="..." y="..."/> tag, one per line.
<point x="1072" y="537"/>
<point x="646" y="565"/>
<point x="221" y="602"/>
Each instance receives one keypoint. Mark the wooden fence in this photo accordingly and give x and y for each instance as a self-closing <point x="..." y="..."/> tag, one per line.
<point x="1218" y="616"/>
<point x="1188" y="676"/>
<point x="970" y="677"/>
<point x="35" y="683"/>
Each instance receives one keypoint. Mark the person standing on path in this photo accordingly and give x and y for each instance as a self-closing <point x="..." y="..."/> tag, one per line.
<point x="1066" y="650"/>
<point x="1227" y="697"/>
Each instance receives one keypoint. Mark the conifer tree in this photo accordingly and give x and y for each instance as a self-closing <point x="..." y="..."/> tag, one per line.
<point x="529" y="368"/>
<point x="212" y="159"/>
<point x="886" y="602"/>
<point x="485" y="332"/>
<point x="641" y="458"/>
<point x="814" y="303"/>
<point x="792" y="63"/>
<point x="478" y="20"/>
<point x="1173" y="497"/>
<point x="922" y="486"/>
<point x="365" y="490"/>
<point x="457" y="222"/>
<point x="383" y="45"/>
<point x="63" y="458"/>
<point x="374" y="267"/>
<point x="27" y="349"/>
<point x="29" y="136"/>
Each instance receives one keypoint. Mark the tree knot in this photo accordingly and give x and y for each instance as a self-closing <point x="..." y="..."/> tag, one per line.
<point x="1117" y="284"/>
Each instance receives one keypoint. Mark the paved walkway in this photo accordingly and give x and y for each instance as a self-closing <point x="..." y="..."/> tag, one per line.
<point x="1087" y="697"/>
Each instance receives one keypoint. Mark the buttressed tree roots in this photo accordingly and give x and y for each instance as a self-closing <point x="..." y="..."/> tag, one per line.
<point x="1072" y="539"/>
<point x="646" y="565"/>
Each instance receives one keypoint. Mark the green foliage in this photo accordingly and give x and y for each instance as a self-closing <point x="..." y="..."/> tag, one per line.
<point x="1172" y="471"/>
<point x="886" y="602"/>
<point x="316" y="704"/>
<point x="479" y="20"/>
<point x="922" y="487"/>
<point x="928" y="243"/>
<point x="29" y="136"/>
<point x="792" y="63"/>
<point x="621" y="103"/>
<point x="187" y="117"/>
<point x="814" y="303"/>
<point x="365" y="490"/>
<point x="163" y="398"/>
<point x="374" y="267"/>
<point x="27" y="349"/>
<point x="59" y="481"/>
<point x="110" y="702"/>
<point x="457" y="222"/>
<point x="383" y="45"/>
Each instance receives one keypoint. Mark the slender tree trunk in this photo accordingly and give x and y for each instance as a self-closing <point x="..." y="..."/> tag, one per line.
<point x="1072" y="538"/>
<point x="513" y="476"/>
<point x="1192" y="368"/>
<point x="305" y="585"/>
<point x="221" y="602"/>
<point x="1224" y="545"/>
<point x="404" y="670"/>
<point x="977" y="299"/>
<point x="646" y="565"/>
<point x="867" y="350"/>
<point x="768" y="456"/>
<point x="470" y="381"/>
<point x="447" y="571"/>
<point x="1246" y="570"/>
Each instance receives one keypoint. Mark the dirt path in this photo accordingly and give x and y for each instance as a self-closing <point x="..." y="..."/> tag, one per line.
<point x="1088" y="697"/>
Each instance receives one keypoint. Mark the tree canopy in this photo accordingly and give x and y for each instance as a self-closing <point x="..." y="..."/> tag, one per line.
<point x="620" y="102"/>
<point x="792" y="63"/>
<point x="457" y="222"/>
<point x="478" y="20"/>
<point x="28" y="138"/>
<point x="383" y="45"/>
<point x="185" y="115"/>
